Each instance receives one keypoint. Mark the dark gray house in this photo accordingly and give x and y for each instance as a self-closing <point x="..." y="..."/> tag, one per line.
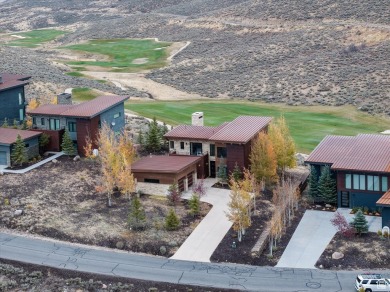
<point x="81" y="120"/>
<point x="8" y="138"/>
<point x="361" y="166"/>
<point x="12" y="97"/>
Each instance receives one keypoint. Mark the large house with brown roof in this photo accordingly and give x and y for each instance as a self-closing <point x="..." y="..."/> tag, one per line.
<point x="81" y="120"/>
<point x="12" y="97"/>
<point x="225" y="145"/>
<point x="361" y="166"/>
<point x="8" y="138"/>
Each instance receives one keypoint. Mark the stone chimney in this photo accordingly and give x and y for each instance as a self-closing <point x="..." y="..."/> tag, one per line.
<point x="197" y="119"/>
<point x="64" y="98"/>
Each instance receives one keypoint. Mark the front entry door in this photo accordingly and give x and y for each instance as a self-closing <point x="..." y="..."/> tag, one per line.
<point x="345" y="199"/>
<point x="212" y="168"/>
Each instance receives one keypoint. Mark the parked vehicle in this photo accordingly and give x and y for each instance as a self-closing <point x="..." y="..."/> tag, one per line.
<point x="372" y="283"/>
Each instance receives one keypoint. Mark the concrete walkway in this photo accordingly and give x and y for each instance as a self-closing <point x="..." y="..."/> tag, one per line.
<point x="21" y="171"/>
<point x="202" y="242"/>
<point x="312" y="236"/>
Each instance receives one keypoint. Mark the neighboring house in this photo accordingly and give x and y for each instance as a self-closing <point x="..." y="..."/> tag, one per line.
<point x="12" y="97"/>
<point x="361" y="166"/>
<point x="8" y="138"/>
<point x="81" y="120"/>
<point x="224" y="146"/>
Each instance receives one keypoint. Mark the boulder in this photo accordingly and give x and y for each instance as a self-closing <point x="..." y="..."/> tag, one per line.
<point x="76" y="158"/>
<point x="328" y="206"/>
<point x="300" y="158"/>
<point x="54" y="161"/>
<point x="337" y="255"/>
<point x="18" y="212"/>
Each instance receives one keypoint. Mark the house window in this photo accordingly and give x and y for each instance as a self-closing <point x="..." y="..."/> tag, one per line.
<point x="20" y="99"/>
<point x="26" y="145"/>
<point x="21" y="114"/>
<point x="54" y="124"/>
<point x="370" y="182"/>
<point x="117" y="115"/>
<point x="212" y="150"/>
<point x="385" y="187"/>
<point x="376" y="183"/>
<point x="152" y="180"/>
<point x="359" y="181"/>
<point x="172" y="144"/>
<point x="72" y="126"/>
<point x="181" y="145"/>
<point x="42" y="121"/>
<point x="34" y="121"/>
<point x="221" y="152"/>
<point x="348" y="180"/>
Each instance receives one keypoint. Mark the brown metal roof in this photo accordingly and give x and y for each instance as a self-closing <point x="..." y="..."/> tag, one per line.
<point x="193" y="132"/>
<point x="12" y="80"/>
<point x="365" y="152"/>
<point x="164" y="164"/>
<point x="384" y="200"/>
<point x="87" y="109"/>
<point x="241" y="130"/>
<point x="8" y="136"/>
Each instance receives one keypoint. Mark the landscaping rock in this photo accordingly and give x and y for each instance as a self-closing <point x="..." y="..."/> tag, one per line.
<point x="120" y="245"/>
<point x="54" y="161"/>
<point x="18" y="212"/>
<point x="337" y="255"/>
<point x="328" y="206"/>
<point x="76" y="158"/>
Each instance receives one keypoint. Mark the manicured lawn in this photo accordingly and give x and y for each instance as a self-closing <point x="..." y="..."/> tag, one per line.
<point x="34" y="38"/>
<point x="83" y="94"/>
<point x="123" y="54"/>
<point x="308" y="125"/>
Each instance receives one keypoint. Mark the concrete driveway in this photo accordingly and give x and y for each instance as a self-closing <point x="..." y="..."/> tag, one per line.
<point x="202" y="242"/>
<point x="312" y="236"/>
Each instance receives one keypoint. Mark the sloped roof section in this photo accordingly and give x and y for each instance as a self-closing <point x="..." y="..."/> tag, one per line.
<point x="384" y="200"/>
<point x="241" y="130"/>
<point x="365" y="152"/>
<point x="9" y="136"/>
<point x="193" y="132"/>
<point x="13" y="80"/>
<point x="87" y="109"/>
<point x="164" y="164"/>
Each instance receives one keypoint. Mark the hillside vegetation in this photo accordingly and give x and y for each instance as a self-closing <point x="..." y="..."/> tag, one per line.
<point x="295" y="52"/>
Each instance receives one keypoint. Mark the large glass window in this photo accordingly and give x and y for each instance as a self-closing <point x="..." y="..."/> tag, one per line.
<point x="356" y="181"/>
<point x="21" y="114"/>
<point x="181" y="145"/>
<point x="385" y="187"/>
<point x="72" y="127"/>
<point x="34" y="121"/>
<point x="370" y="182"/>
<point x="42" y="121"/>
<point x="221" y="152"/>
<point x="348" y="180"/>
<point x="171" y="144"/>
<point x="362" y="183"/>
<point x="54" y="124"/>
<point x="376" y="183"/>
<point x="20" y="99"/>
<point x="212" y="150"/>
<point x="117" y="115"/>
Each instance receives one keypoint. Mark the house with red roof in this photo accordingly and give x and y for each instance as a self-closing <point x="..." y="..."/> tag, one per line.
<point x="8" y="138"/>
<point x="225" y="145"/>
<point x="361" y="166"/>
<point x="81" y="120"/>
<point x="12" y="97"/>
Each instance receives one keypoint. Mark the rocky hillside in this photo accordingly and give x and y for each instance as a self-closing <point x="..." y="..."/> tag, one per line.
<point x="296" y="52"/>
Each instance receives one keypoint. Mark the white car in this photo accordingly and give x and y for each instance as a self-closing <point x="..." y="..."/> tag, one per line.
<point x="372" y="283"/>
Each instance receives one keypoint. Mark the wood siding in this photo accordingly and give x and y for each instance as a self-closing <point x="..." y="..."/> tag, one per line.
<point x="55" y="139"/>
<point x="87" y="127"/>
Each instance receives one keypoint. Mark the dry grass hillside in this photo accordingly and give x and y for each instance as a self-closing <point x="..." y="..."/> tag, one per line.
<point x="296" y="52"/>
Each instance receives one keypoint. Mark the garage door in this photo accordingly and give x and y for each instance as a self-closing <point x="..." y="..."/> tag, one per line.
<point x="190" y="177"/>
<point x="3" y="158"/>
<point x="181" y="184"/>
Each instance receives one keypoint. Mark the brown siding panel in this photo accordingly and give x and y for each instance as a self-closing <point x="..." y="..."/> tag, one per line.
<point x="55" y="139"/>
<point x="87" y="127"/>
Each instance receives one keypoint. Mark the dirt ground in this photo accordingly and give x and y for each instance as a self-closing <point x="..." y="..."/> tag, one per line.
<point x="59" y="200"/>
<point x="25" y="277"/>
<point x="368" y="251"/>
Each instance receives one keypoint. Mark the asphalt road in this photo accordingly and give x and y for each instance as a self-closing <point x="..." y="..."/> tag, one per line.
<point x="101" y="261"/>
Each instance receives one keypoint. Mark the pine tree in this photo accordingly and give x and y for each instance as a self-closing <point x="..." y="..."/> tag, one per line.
<point x="222" y="175"/>
<point x="313" y="182"/>
<point x="263" y="159"/>
<point x="237" y="173"/>
<point x="5" y="123"/>
<point x="137" y="218"/>
<point x="19" y="152"/>
<point x="172" y="222"/>
<point x="194" y="204"/>
<point x="327" y="186"/>
<point x="153" y="138"/>
<point x="67" y="144"/>
<point x="360" y="223"/>
<point x="140" y="139"/>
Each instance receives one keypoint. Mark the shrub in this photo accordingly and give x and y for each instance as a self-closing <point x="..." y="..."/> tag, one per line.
<point x="174" y="195"/>
<point x="172" y="222"/>
<point x="359" y="222"/>
<point x="137" y="218"/>
<point x="342" y="225"/>
<point x="379" y="232"/>
<point x="194" y="204"/>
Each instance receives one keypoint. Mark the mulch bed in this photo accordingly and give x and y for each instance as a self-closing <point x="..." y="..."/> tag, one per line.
<point x="29" y="277"/>
<point x="368" y="251"/>
<point x="242" y="253"/>
<point x="28" y="164"/>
